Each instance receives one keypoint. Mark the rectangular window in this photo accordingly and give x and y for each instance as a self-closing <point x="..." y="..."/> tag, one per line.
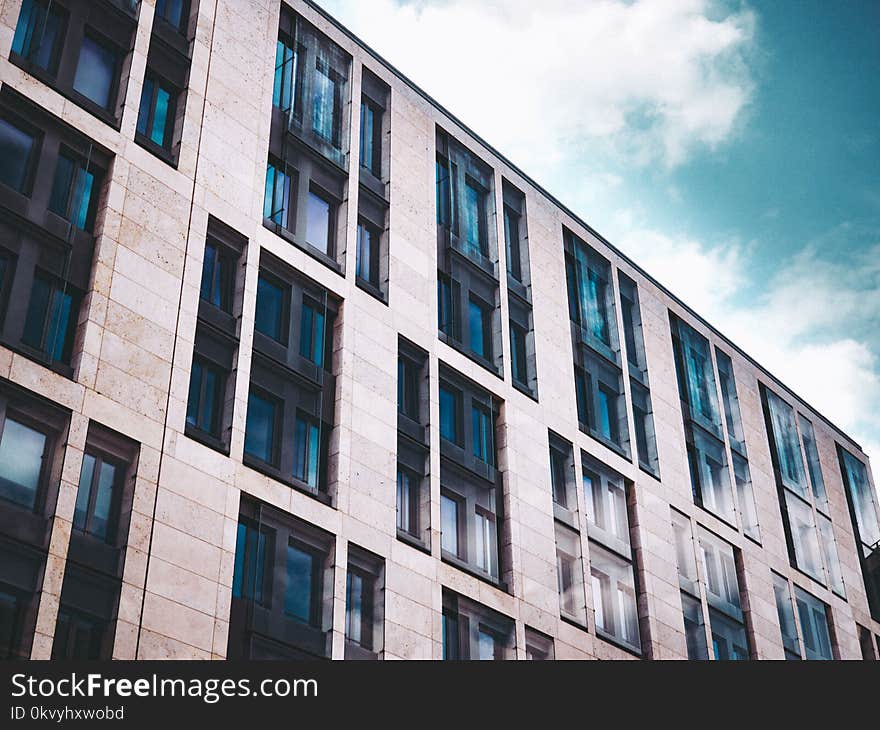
<point x="606" y="505"/>
<point x="804" y="537"/>
<point x="731" y="402"/>
<point x="285" y="81"/>
<point x="50" y="323"/>
<point x="643" y="420"/>
<point x="814" y="619"/>
<point x="156" y="113"/>
<point x="450" y="409"/>
<point x="206" y="392"/>
<point x="784" y="611"/>
<point x="813" y="466"/>
<point x="408" y="501"/>
<point x="746" y="497"/>
<point x="39" y="34"/>
<point x="614" y="597"/>
<point x="326" y="104"/>
<point x="22" y="456"/>
<point x="363" y="604"/>
<point x="697" y="378"/>
<point x="485" y="542"/>
<point x="562" y="473"/>
<point x="97" y="498"/>
<point x="320" y="213"/>
<point x="307" y="450"/>
<point x="447" y="311"/>
<point x="276" y="201"/>
<point x="368" y="250"/>
<point x="218" y="280"/>
<point x="600" y="400"/>
<point x="591" y="300"/>
<point x="483" y="435"/>
<point x="17" y="148"/>
<point x="790" y="463"/>
<point x="480" y="328"/>
<point x="473" y="631"/>
<point x="261" y="429"/>
<point x="302" y="568"/>
<point x="312" y="334"/>
<point x="694" y="628"/>
<point x="254" y="552"/>
<point x="710" y="476"/>
<point x="475" y="219"/>
<point x="512" y="242"/>
<point x="272" y="309"/>
<point x="829" y="555"/>
<point x="96" y="72"/>
<point x="570" y="574"/>
<point x="174" y="12"/>
<point x="518" y="358"/>
<point x="445" y="181"/>
<point x="449" y="527"/>
<point x="539" y="647"/>
<point x="78" y="636"/>
<point x="74" y="192"/>
<point x="371" y="137"/>
<point x="408" y="396"/>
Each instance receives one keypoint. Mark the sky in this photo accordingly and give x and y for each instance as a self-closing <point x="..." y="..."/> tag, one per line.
<point x="731" y="148"/>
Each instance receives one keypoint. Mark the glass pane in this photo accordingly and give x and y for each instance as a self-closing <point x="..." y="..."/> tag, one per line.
<point x="589" y="279"/>
<point x="474" y="219"/>
<point x="484" y="448"/>
<point x="306" y="451"/>
<point x="694" y="628"/>
<point x="719" y="573"/>
<point x="83" y="492"/>
<point x="160" y="117"/>
<point x="15" y="151"/>
<point x="486" y="643"/>
<point x="364" y="253"/>
<point x="614" y="596"/>
<point x="444" y="193"/>
<point x="829" y="553"/>
<point x="60" y="326"/>
<point x="300" y="582"/>
<point x="368" y="120"/>
<point x="731" y="401"/>
<point x="61" y="185"/>
<point x="318" y="222"/>
<point x="251" y="554"/>
<point x="403" y="501"/>
<point x="21" y="461"/>
<point x="450" y="637"/>
<point x="323" y="121"/>
<point x="863" y="500"/>
<point x="193" y="404"/>
<point x="788" y="450"/>
<point x="95" y="72"/>
<point x="276" y="202"/>
<point x="511" y="238"/>
<point x="80" y="202"/>
<point x="145" y="106"/>
<point x="607" y="418"/>
<point x="746" y="497"/>
<point x="813" y="466"/>
<point x="711" y="475"/>
<point x="476" y="328"/>
<point x="354" y="604"/>
<point x="449" y="524"/>
<point x="700" y="378"/>
<point x="804" y="537"/>
<point x="270" y="309"/>
<point x="518" y="365"/>
<point x="103" y="501"/>
<point x="786" y="615"/>
<point x="684" y="549"/>
<point x="311" y="337"/>
<point x="259" y="436"/>
<point x="283" y="93"/>
<point x="448" y="415"/>
<point x="729" y="640"/>
<point x="814" y="625"/>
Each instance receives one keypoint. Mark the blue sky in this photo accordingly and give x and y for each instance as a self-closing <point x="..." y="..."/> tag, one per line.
<point x="731" y="148"/>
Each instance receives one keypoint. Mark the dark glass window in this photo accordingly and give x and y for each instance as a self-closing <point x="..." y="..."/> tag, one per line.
<point x="276" y="202"/>
<point x="96" y="72"/>
<point x="22" y="451"/>
<point x="263" y="415"/>
<point x="299" y="592"/>
<point x="449" y="524"/>
<point x="359" y="591"/>
<point x="284" y="88"/>
<point x="312" y="335"/>
<point x="475" y="219"/>
<point x="96" y="498"/>
<point x="16" y="150"/>
<point x="408" y="498"/>
<point x="319" y="223"/>
<point x="174" y="12"/>
<point x="307" y="450"/>
<point x="253" y="549"/>
<point x="449" y="416"/>
<point x="205" y="402"/>
<point x="51" y="320"/>
<point x="73" y="192"/>
<point x="407" y="388"/>
<point x="325" y="117"/>
<point x="217" y="278"/>
<point x="371" y="138"/>
<point x="77" y="635"/>
<point x="511" y="238"/>
<point x="518" y="358"/>
<point x="447" y="321"/>
<point x="156" y="114"/>
<point x="483" y="437"/>
<point x="480" y="328"/>
<point x="368" y="253"/>
<point x="445" y="183"/>
<point x="39" y="34"/>
<point x="450" y="637"/>
<point x="271" y="312"/>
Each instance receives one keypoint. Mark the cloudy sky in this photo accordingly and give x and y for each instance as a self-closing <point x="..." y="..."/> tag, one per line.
<point x="731" y="148"/>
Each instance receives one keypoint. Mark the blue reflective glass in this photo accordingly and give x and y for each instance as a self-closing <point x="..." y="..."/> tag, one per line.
<point x="300" y="577"/>
<point x="259" y="435"/>
<point x="21" y="461"/>
<point x="144" y="107"/>
<point x="448" y="415"/>
<point x="323" y="121"/>
<point x="283" y="90"/>
<point x="95" y="72"/>
<point x="476" y="328"/>
<point x="38" y="34"/>
<point x="269" y="318"/>
<point x="80" y="512"/>
<point x="277" y="196"/>
<point x="307" y="445"/>
<point x="15" y="151"/>
<point x="160" y="117"/>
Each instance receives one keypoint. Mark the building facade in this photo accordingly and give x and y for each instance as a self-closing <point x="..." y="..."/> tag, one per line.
<point x="294" y="365"/>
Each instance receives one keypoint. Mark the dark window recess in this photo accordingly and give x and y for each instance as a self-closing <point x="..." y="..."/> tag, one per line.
<point x="86" y="624"/>
<point x="371" y="271"/>
<point x="310" y="95"/>
<point x="175" y="13"/>
<point x="364" y="604"/>
<point x="46" y="241"/>
<point x="215" y="355"/>
<point x="539" y="647"/>
<point x="562" y="478"/>
<point x="471" y="631"/>
<point x="281" y="587"/>
<point x="599" y="391"/>
<point x="523" y="361"/>
<point x="467" y="277"/>
<point x="637" y="366"/>
<point x="471" y="496"/>
<point x="413" y="456"/>
<point x="80" y="48"/>
<point x="292" y="390"/>
<point x="21" y="577"/>
<point x="375" y="129"/>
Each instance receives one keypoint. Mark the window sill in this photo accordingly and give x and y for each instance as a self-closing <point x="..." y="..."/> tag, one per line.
<point x="273" y="473"/>
<point x="413" y="541"/>
<point x="517" y="288"/>
<point x="459" y="347"/>
<point x="307" y="248"/>
<point x="39" y="357"/>
<point x="355" y="652"/>
<point x="473" y="571"/>
<point x="412" y="430"/>
<point x="572" y="621"/>
<point x="619" y="643"/>
<point x="206" y="439"/>
<point x="371" y="289"/>
<point x="482" y="264"/>
<point x="649" y="471"/>
<point x="373" y="183"/>
<point x="619" y="450"/>
<point x="525" y="390"/>
<point x="156" y="150"/>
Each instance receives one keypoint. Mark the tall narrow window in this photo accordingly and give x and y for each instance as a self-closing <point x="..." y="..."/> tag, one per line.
<point x="22" y="451"/>
<point x="276" y="201"/>
<point x="312" y="333"/>
<point x="320" y="212"/>
<point x="814" y="620"/>
<point x="449" y="528"/>
<point x="73" y="192"/>
<point x="272" y="306"/>
<point x="449" y="415"/>
<point x="263" y="414"/>
<point x="96" y="499"/>
<point x="570" y="574"/>
<point x="284" y="85"/>
<point x="206" y="389"/>
<point x="512" y="243"/>
<point x="217" y="277"/>
<point x="363" y="604"/>
<point x="96" y="72"/>
<point x="483" y="435"/>
<point x="784" y="611"/>
<point x="307" y="450"/>
<point x="325" y="117"/>
<point x="51" y="319"/>
<point x="156" y="113"/>
<point x="173" y="12"/>
<point x="17" y="150"/>
<point x="475" y="219"/>
<point x="39" y="34"/>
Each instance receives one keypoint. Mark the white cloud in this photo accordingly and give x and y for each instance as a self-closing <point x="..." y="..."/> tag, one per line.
<point x="651" y="80"/>
<point x="791" y="322"/>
